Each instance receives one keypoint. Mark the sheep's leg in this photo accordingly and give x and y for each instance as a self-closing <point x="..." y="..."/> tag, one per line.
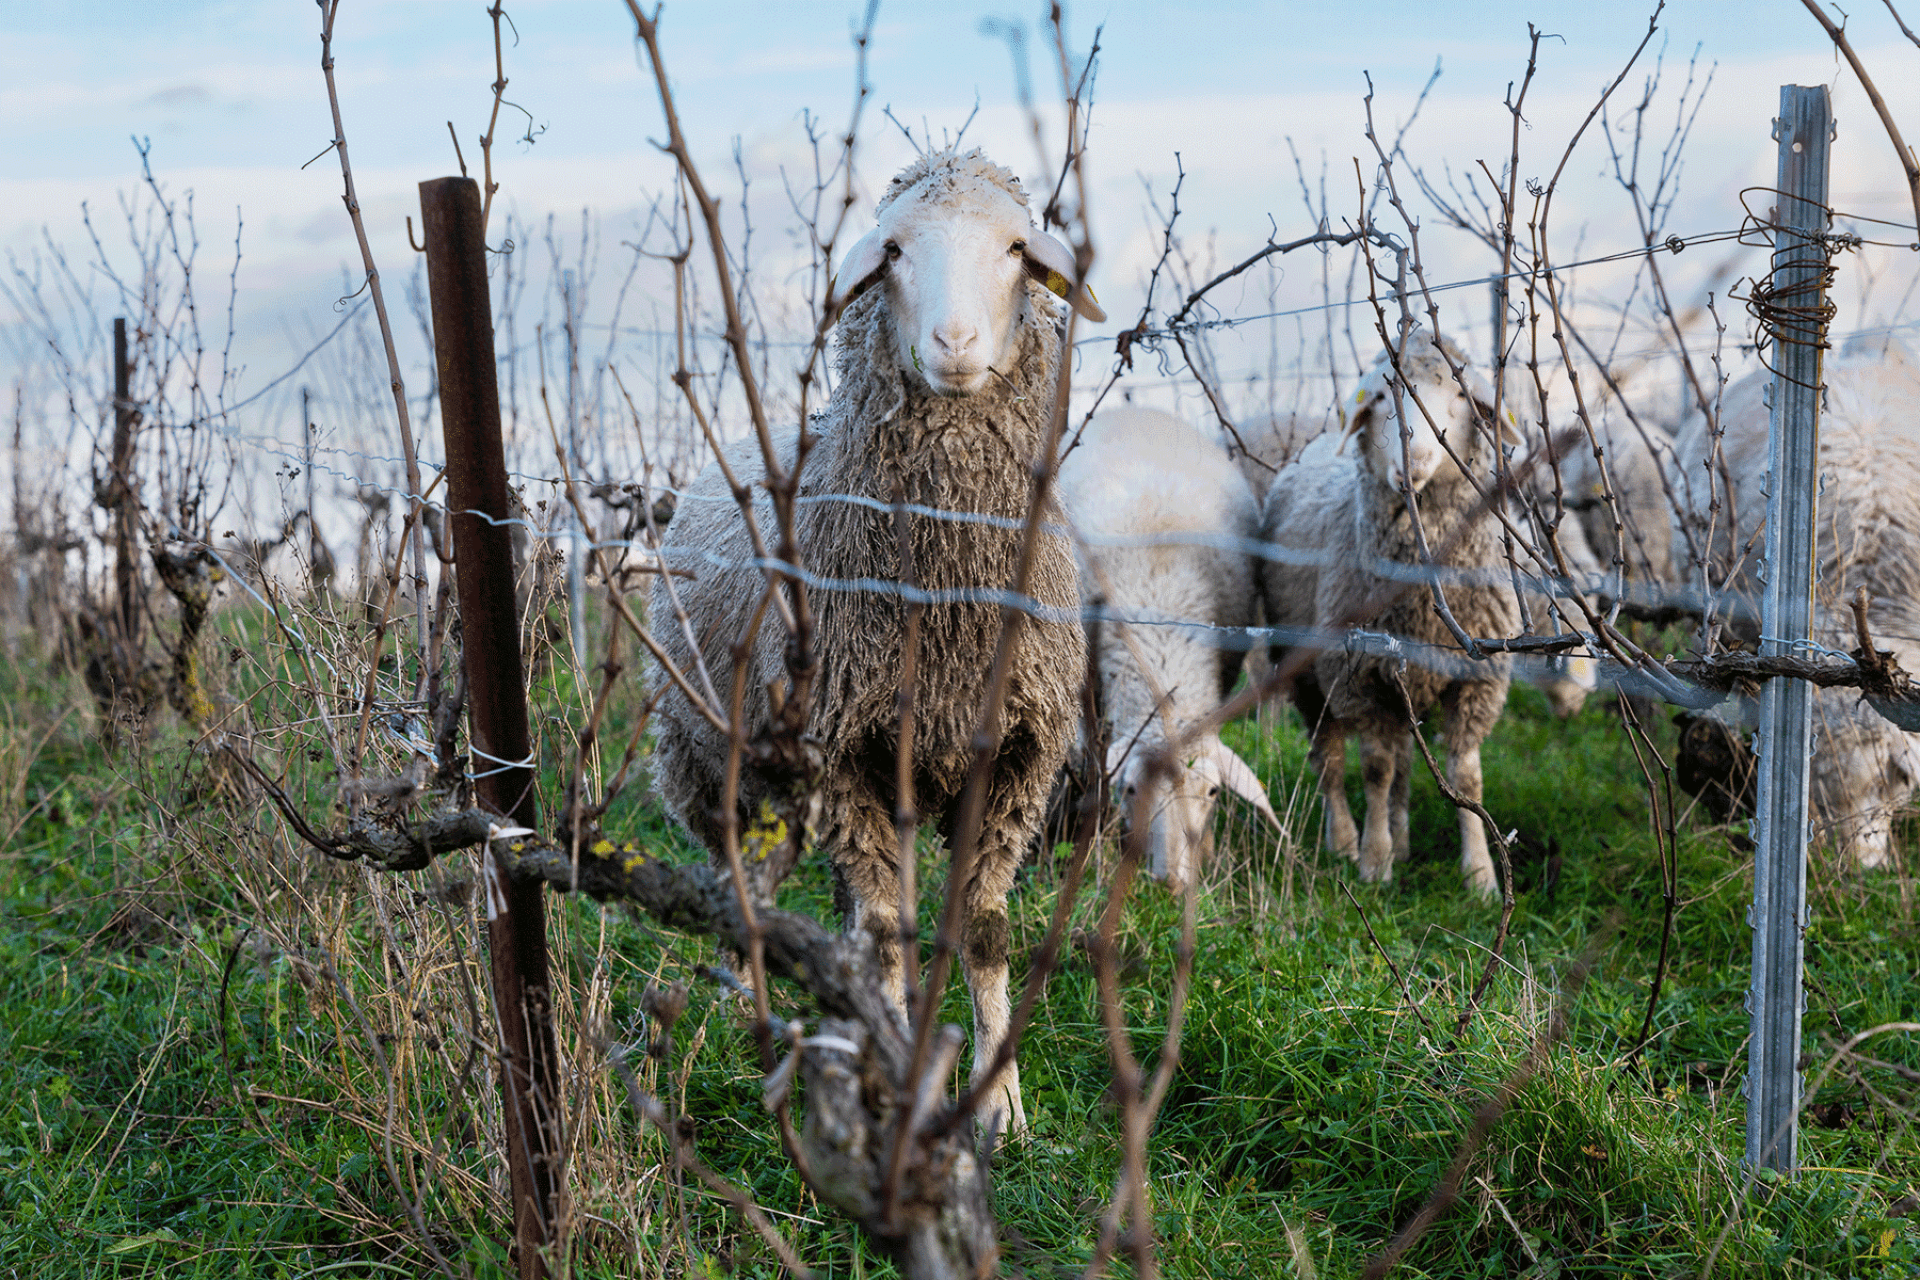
<point x="1402" y="796"/>
<point x="1328" y="756"/>
<point x="1464" y="776"/>
<point x="983" y="956"/>
<point x="864" y="854"/>
<point x="1377" y="759"/>
<point x="1014" y="807"/>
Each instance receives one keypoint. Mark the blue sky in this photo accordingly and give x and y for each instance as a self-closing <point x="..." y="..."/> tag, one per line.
<point x="230" y="93"/>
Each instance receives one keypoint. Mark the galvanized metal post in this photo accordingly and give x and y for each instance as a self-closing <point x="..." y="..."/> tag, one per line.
<point x="1797" y="321"/>
<point x="503" y="780"/>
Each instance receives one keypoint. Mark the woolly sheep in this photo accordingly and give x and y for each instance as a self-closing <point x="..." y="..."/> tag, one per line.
<point x="1337" y="516"/>
<point x="1596" y="553"/>
<point x="1267" y="442"/>
<point x="1864" y="769"/>
<point x="1272" y="441"/>
<point x="1160" y="508"/>
<point x="947" y="364"/>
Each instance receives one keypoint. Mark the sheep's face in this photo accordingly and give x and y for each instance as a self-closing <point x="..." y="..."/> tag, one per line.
<point x="954" y="252"/>
<point x="1863" y="775"/>
<point x="957" y="285"/>
<point x="1574" y="677"/>
<point x="1179" y="808"/>
<point x="1410" y="456"/>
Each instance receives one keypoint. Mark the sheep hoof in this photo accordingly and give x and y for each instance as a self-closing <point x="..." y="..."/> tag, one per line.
<point x="1483" y="884"/>
<point x="1002" y="1117"/>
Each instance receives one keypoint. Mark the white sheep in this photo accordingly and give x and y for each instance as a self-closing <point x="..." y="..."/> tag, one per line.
<point x="1864" y="769"/>
<point x="1263" y="443"/>
<point x="1165" y="521"/>
<point x="1345" y="553"/>
<point x="947" y="365"/>
<point x="1268" y="442"/>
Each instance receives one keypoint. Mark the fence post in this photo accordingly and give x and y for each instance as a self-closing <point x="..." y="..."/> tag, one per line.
<point x="126" y="561"/>
<point x="1797" y="321"/>
<point x="497" y="702"/>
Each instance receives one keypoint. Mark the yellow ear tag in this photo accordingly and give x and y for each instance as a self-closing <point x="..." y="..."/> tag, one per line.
<point x="1088" y="290"/>
<point x="1057" y="283"/>
<point x="1360" y="396"/>
<point x="1510" y="418"/>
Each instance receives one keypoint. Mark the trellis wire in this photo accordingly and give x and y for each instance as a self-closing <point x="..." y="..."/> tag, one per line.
<point x="1675" y="596"/>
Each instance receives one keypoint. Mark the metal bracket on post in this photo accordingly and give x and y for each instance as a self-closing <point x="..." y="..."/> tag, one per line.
<point x="1804" y="130"/>
<point x="497" y="701"/>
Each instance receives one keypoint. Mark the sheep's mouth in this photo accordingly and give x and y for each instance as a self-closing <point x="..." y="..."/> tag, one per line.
<point x="956" y="380"/>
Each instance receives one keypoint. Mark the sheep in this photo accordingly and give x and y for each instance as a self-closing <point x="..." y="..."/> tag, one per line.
<point x="1601" y="564"/>
<point x="1864" y="769"/>
<point x="1264" y="443"/>
<point x="1336" y="517"/>
<point x="947" y="364"/>
<point x="1165" y="519"/>
<point x="1632" y="560"/>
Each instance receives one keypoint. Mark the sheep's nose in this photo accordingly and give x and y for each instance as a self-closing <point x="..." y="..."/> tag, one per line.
<point x="954" y="338"/>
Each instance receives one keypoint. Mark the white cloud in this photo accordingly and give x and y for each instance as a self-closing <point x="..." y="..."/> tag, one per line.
<point x="239" y="87"/>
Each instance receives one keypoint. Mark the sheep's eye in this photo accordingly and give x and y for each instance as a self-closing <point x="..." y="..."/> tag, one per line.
<point x="1212" y="792"/>
<point x="893" y="250"/>
<point x="1018" y="246"/>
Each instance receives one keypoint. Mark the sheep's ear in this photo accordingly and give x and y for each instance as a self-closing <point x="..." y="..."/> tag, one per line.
<point x="865" y="264"/>
<point x="1238" y="777"/>
<point x="1355" y="415"/>
<point x="1051" y="263"/>
<point x="1509" y="423"/>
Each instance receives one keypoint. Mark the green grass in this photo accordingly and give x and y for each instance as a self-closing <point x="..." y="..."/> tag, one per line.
<point x="188" y="1088"/>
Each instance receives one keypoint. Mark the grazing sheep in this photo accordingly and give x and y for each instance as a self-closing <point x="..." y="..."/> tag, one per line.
<point x="1166" y="519"/>
<point x="947" y="365"/>
<point x="1864" y="769"/>
<point x="1273" y="441"/>
<point x="1338" y="518"/>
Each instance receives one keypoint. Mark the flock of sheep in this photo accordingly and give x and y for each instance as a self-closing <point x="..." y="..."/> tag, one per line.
<point x="1377" y="551"/>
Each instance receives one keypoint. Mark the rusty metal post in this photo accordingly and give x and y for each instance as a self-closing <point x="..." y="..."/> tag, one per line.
<point x="497" y="702"/>
<point x="1779" y="919"/>
<point x="126" y="566"/>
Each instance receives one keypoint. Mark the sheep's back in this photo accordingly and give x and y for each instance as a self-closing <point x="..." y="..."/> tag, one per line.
<point x="1270" y="441"/>
<point x="1868" y="510"/>
<point x="1138" y="475"/>
<point x="1308" y="518"/>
